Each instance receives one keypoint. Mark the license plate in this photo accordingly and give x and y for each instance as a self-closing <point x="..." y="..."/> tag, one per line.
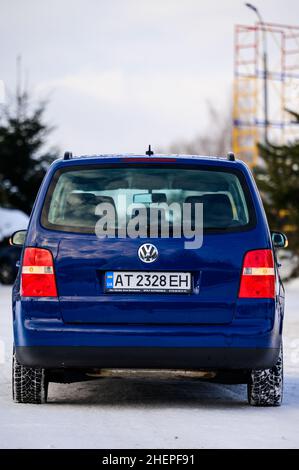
<point x="164" y="282"/>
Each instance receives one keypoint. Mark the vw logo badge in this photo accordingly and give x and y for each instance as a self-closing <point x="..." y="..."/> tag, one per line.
<point x="148" y="253"/>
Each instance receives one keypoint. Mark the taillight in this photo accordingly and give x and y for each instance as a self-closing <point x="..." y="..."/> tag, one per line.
<point x="38" y="277"/>
<point x="258" y="275"/>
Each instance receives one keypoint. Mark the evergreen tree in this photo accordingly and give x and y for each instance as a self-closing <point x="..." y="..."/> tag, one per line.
<point x="23" y="163"/>
<point x="278" y="181"/>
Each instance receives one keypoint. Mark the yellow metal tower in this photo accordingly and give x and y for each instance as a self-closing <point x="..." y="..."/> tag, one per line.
<point x="283" y="87"/>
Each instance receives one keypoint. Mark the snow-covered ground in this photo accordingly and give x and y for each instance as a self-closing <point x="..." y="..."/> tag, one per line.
<point x="151" y="413"/>
<point x="12" y="220"/>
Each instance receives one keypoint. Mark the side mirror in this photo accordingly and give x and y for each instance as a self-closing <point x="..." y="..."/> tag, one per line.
<point x="18" y="238"/>
<point x="279" y="240"/>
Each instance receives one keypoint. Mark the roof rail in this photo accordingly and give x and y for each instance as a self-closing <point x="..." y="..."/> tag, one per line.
<point x="231" y="157"/>
<point x="67" y="155"/>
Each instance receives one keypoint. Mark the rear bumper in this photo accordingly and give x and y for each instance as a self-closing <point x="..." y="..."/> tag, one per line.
<point x="251" y="341"/>
<point x="146" y="357"/>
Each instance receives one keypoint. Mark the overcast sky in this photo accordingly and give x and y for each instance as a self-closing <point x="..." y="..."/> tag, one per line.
<point x="125" y="73"/>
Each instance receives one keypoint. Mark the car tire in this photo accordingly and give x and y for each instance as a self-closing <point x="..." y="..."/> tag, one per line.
<point x="29" y="385"/>
<point x="266" y="386"/>
<point x="7" y="273"/>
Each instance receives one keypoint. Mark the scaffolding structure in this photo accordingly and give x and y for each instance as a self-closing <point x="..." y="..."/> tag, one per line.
<point x="283" y="87"/>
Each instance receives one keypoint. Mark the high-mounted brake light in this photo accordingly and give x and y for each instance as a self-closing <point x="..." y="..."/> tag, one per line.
<point x="258" y="275"/>
<point x="38" y="277"/>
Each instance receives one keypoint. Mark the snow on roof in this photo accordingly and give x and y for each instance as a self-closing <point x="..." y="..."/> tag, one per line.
<point x="11" y="220"/>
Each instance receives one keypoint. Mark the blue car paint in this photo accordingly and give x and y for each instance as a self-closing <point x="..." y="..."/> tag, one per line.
<point x="211" y="317"/>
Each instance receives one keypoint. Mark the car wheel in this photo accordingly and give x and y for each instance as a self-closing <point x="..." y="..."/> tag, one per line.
<point x="29" y="385"/>
<point x="7" y="273"/>
<point x="266" y="386"/>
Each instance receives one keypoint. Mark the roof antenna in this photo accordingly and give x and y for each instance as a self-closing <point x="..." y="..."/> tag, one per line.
<point x="149" y="152"/>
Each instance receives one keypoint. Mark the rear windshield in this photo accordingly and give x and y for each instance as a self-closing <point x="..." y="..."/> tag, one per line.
<point x="75" y="193"/>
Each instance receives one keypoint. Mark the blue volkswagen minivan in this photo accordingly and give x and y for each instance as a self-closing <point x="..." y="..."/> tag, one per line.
<point x="85" y="303"/>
